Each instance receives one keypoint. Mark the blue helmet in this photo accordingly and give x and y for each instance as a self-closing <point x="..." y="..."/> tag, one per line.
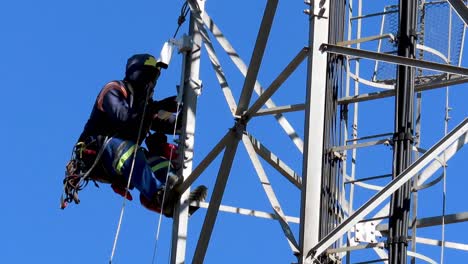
<point x="141" y="69"/>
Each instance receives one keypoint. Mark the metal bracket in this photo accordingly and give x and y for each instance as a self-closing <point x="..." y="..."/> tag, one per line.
<point x="184" y="44"/>
<point x="403" y="136"/>
<point x="312" y="14"/>
<point x="366" y="232"/>
<point x="336" y="155"/>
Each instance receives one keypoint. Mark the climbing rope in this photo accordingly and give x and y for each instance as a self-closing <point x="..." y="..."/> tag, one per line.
<point x="181" y="19"/>
<point x="164" y="192"/>
<point x="122" y="210"/>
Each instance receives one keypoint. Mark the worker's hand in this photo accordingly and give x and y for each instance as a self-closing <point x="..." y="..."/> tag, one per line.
<point x="168" y="104"/>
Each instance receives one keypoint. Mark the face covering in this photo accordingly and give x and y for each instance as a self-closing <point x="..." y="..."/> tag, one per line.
<point x="142" y="80"/>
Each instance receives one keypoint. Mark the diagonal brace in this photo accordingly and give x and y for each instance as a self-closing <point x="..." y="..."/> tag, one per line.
<point x="270" y="194"/>
<point x="216" y="197"/>
<point x="257" y="56"/>
<point x="461" y="9"/>
<point x="283" y="76"/>
<point x="204" y="164"/>
<point x="239" y="63"/>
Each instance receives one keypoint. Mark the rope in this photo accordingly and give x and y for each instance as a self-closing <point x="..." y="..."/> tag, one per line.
<point x="182" y="18"/>
<point x="129" y="178"/>
<point x="164" y="192"/>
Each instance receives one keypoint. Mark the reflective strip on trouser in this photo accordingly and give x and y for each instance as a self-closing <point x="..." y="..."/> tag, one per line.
<point x="118" y="158"/>
<point x="124" y="158"/>
<point x="159" y="166"/>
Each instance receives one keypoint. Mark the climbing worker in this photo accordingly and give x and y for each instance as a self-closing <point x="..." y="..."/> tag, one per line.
<point x="109" y="148"/>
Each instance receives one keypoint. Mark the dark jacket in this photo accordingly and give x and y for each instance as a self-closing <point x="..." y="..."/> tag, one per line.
<point x="116" y="113"/>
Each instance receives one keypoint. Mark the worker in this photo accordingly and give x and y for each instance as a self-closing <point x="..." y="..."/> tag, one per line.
<point x="123" y="114"/>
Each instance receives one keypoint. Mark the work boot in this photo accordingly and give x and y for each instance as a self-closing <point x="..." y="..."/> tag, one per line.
<point x="165" y="198"/>
<point x="170" y="197"/>
<point x="197" y="195"/>
<point x="173" y="181"/>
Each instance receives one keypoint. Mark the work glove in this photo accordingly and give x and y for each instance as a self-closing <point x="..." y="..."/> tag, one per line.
<point x="167" y="125"/>
<point x="168" y="104"/>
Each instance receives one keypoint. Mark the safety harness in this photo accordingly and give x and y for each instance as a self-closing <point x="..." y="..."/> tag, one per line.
<point x="85" y="157"/>
<point x="78" y="171"/>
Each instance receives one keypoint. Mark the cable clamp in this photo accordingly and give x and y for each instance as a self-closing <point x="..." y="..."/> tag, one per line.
<point x="184" y="44"/>
<point x="400" y="136"/>
<point x="196" y="85"/>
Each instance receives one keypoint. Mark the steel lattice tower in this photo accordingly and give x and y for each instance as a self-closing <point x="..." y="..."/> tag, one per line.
<point x="346" y="66"/>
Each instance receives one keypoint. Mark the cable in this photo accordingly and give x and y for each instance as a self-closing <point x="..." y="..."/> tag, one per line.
<point x="185" y="9"/>
<point x="164" y="192"/>
<point x="446" y="120"/>
<point x="182" y="17"/>
<point x="130" y="176"/>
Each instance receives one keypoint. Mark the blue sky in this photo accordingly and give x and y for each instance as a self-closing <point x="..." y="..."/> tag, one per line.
<point x="54" y="58"/>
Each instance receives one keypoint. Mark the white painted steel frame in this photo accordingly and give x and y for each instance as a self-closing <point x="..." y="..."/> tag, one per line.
<point x="190" y="87"/>
<point x="316" y="87"/>
<point x="395" y="59"/>
<point x="257" y="56"/>
<point x="236" y="59"/>
<point x="457" y="136"/>
<point x="314" y="127"/>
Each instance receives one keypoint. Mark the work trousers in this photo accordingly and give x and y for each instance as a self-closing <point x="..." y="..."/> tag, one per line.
<point x="147" y="176"/>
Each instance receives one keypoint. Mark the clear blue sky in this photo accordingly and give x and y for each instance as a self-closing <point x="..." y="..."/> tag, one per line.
<point x="54" y="58"/>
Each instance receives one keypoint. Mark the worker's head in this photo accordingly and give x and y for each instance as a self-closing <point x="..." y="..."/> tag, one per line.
<point x="141" y="71"/>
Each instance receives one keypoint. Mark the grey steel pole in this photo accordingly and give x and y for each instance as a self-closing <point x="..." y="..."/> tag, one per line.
<point x="191" y="87"/>
<point x="314" y="128"/>
<point x="403" y="138"/>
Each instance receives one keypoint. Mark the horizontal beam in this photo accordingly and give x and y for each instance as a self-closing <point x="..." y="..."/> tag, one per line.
<point x="366" y="39"/>
<point x="280" y="110"/>
<point x="460" y="131"/>
<point x="369" y="137"/>
<point x="368" y="178"/>
<point x="453" y="80"/>
<point x="361" y="145"/>
<point x="247" y="212"/>
<point x="447" y="244"/>
<point x="352" y="248"/>
<point x="394" y="59"/>
<point x="374" y="15"/>
<point x="433" y="221"/>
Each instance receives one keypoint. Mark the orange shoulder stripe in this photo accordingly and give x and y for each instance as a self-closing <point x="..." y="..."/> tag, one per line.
<point x="107" y="88"/>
